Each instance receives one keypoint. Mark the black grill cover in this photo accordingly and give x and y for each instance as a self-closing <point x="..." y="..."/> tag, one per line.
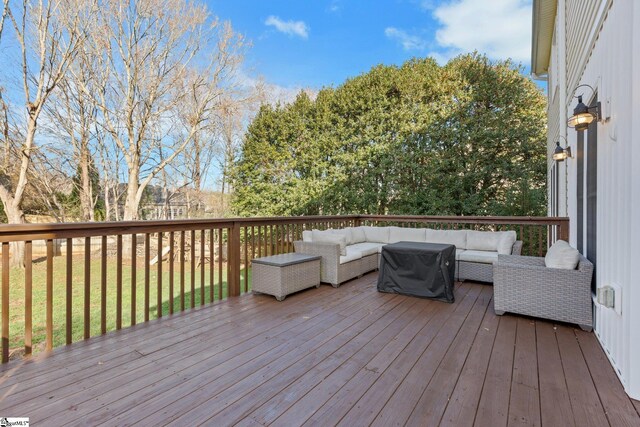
<point x="418" y="269"/>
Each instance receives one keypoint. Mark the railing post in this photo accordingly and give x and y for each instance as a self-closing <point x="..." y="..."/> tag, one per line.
<point x="563" y="232"/>
<point x="233" y="255"/>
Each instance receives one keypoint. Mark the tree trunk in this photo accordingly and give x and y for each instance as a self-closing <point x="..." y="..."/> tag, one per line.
<point x="86" y="192"/>
<point x="132" y="202"/>
<point x="15" y="215"/>
<point x="197" y="173"/>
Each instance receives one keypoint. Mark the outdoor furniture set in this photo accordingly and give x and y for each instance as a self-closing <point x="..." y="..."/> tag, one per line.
<point x="557" y="287"/>
<point x="351" y="252"/>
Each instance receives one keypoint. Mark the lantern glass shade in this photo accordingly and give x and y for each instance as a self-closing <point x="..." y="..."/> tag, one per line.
<point x="581" y="121"/>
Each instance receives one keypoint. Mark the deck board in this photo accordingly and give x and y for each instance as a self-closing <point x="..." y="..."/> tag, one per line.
<point x="349" y="356"/>
<point x="555" y="405"/>
<point x="617" y="405"/>
<point x="585" y="402"/>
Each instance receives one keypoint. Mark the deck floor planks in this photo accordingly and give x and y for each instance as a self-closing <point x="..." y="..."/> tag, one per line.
<point x="555" y="405"/>
<point x="198" y="388"/>
<point x="434" y="399"/>
<point x="364" y="369"/>
<point x="322" y="356"/>
<point x="71" y="359"/>
<point x="524" y="403"/>
<point x="307" y="405"/>
<point x="186" y="368"/>
<point x="321" y="344"/>
<point x="463" y="403"/>
<point x="587" y="409"/>
<point x="617" y="405"/>
<point x="493" y="408"/>
<point x="276" y="406"/>
<point x="75" y="354"/>
<point x="382" y="330"/>
<point x="226" y="370"/>
<point x="68" y="384"/>
<point x="367" y="407"/>
<point x="400" y="405"/>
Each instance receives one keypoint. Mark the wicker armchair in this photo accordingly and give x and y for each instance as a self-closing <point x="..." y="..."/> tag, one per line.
<point x="524" y="285"/>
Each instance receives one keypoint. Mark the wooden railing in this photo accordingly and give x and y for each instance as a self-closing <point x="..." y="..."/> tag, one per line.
<point x="80" y="280"/>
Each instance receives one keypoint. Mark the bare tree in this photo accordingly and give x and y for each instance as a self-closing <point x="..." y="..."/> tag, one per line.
<point x="74" y="116"/>
<point x="5" y="11"/>
<point x="48" y="34"/>
<point x="148" y="52"/>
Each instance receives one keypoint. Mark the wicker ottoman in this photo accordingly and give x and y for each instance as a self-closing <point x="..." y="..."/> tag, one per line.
<point x="281" y="275"/>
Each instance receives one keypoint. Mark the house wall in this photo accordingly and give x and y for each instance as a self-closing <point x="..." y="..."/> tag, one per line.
<point x="603" y="50"/>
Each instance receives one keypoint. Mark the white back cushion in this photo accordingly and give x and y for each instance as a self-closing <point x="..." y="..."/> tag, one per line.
<point x="346" y="232"/>
<point x="448" y="237"/>
<point x="402" y="234"/>
<point x="376" y="234"/>
<point x="307" y="236"/>
<point x="328" y="237"/>
<point x="562" y="255"/>
<point x="505" y="245"/>
<point x="357" y="235"/>
<point x="483" y="240"/>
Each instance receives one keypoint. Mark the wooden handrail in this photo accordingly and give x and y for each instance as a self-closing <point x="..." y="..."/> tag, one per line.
<point x="242" y="238"/>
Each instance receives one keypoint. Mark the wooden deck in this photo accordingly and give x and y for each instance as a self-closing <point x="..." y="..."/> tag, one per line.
<point x="348" y="356"/>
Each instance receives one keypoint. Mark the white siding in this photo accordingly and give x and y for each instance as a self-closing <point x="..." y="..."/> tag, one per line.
<point x="609" y="68"/>
<point x="581" y="19"/>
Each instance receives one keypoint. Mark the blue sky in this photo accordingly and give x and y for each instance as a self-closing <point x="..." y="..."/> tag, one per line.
<point x="315" y="43"/>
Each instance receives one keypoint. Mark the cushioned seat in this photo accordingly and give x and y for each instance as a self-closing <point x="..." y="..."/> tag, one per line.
<point x="485" y="257"/>
<point x="366" y="248"/>
<point x="352" y="255"/>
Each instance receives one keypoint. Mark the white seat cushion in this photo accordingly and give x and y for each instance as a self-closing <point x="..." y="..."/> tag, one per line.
<point x="366" y="248"/>
<point x="402" y="234"/>
<point x="458" y="253"/>
<point x="484" y="257"/>
<point x="351" y="255"/>
<point x="562" y="255"/>
<point x="376" y="234"/>
<point x="448" y="237"/>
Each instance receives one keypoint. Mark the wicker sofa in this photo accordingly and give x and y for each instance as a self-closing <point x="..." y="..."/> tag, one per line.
<point x="476" y="251"/>
<point x="524" y="285"/>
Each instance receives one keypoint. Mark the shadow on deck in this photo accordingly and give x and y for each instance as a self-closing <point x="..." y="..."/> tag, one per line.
<point x="327" y="356"/>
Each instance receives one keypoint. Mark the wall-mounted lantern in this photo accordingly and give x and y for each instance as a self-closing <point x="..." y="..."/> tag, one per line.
<point x="560" y="154"/>
<point x="583" y="115"/>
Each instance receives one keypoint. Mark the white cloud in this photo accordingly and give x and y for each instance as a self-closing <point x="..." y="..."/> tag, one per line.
<point x="334" y="6"/>
<point x="292" y="28"/>
<point x="499" y="28"/>
<point x="408" y="41"/>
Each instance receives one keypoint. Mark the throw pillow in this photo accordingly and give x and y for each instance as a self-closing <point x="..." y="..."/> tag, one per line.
<point x="562" y="255"/>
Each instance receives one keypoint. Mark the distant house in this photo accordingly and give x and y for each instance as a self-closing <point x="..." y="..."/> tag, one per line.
<point x="597" y="43"/>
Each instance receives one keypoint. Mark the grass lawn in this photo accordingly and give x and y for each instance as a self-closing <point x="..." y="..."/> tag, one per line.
<point x="17" y="298"/>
